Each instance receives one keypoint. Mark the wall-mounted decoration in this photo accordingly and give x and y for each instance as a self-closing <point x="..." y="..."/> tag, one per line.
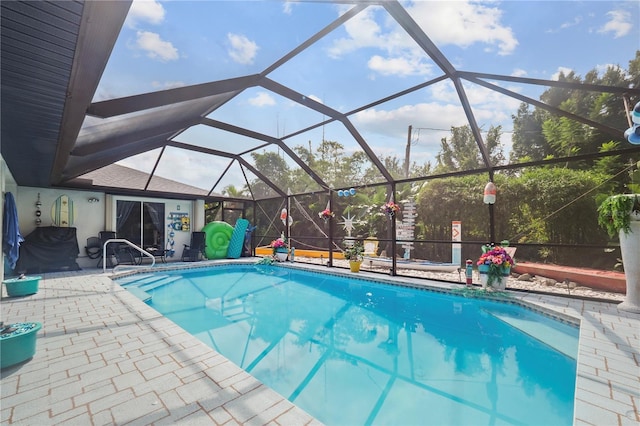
<point x="179" y="221"/>
<point x="38" y="211"/>
<point x="170" y="246"/>
<point x="63" y="212"/>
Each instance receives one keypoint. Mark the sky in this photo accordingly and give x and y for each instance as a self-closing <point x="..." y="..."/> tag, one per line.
<point x="166" y="44"/>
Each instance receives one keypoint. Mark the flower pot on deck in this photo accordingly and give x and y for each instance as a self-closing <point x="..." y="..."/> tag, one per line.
<point x="281" y="254"/>
<point x="354" y="265"/>
<point x="18" y="342"/>
<point x="497" y="283"/>
<point x="21" y="286"/>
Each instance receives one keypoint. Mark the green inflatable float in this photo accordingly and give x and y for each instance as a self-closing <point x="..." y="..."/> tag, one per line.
<point x="217" y="237"/>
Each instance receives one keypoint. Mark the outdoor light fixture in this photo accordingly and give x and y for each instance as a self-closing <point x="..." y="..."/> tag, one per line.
<point x="93" y="200"/>
<point x="490" y="193"/>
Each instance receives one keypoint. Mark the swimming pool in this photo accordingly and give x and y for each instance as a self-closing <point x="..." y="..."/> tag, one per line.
<point x="352" y="351"/>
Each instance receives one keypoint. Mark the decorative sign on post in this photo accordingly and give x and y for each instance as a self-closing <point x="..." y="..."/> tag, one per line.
<point x="456" y="248"/>
<point x="405" y="230"/>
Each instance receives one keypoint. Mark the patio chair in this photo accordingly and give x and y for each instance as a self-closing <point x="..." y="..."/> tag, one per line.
<point x="194" y="251"/>
<point x="93" y="248"/>
<point x="116" y="253"/>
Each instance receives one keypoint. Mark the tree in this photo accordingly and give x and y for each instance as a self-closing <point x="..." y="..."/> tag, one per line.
<point x="461" y="151"/>
<point x="233" y="192"/>
<point x="275" y="168"/>
<point x="529" y="143"/>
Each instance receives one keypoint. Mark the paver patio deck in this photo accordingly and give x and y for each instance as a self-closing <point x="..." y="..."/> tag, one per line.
<point x="105" y="357"/>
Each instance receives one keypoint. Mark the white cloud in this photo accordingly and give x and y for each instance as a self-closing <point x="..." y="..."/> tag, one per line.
<point x="402" y="57"/>
<point x="568" y="24"/>
<point x="155" y="47"/>
<point x="167" y="84"/>
<point x="262" y="99"/>
<point x="149" y="11"/>
<point x="287" y="8"/>
<point x="518" y="72"/>
<point x="619" y="23"/>
<point x="563" y="70"/>
<point x="242" y="50"/>
<point x="436" y="118"/>
<point x="461" y="23"/>
<point x="315" y="98"/>
<point x="464" y="23"/>
<point x="401" y="66"/>
<point x="362" y="31"/>
<point x="602" y="68"/>
<point x="573" y="23"/>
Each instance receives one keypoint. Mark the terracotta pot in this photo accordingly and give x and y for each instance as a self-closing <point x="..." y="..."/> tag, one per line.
<point x="355" y="265"/>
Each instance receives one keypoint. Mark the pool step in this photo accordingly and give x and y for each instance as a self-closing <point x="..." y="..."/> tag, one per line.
<point x="558" y="340"/>
<point x="148" y="286"/>
<point x="235" y="312"/>
<point x="146" y="279"/>
<point x="133" y="279"/>
<point x="140" y="294"/>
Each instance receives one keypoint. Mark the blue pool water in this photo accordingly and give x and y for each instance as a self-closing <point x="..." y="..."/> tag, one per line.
<point x="356" y="352"/>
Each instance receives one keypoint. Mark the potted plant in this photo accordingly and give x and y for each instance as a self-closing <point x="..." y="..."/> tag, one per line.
<point x="620" y="215"/>
<point x="280" y="248"/>
<point x="495" y="267"/>
<point x="22" y="285"/>
<point x="354" y="254"/>
<point x="17" y="342"/>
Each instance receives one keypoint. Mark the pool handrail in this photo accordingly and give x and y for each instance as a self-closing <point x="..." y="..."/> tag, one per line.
<point x="130" y="244"/>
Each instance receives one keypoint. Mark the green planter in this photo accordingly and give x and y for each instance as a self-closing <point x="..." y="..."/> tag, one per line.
<point x="22" y="286"/>
<point x="18" y="342"/>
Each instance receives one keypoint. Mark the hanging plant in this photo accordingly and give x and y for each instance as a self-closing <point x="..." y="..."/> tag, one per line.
<point x="390" y="208"/>
<point x="326" y="214"/>
<point x="614" y="214"/>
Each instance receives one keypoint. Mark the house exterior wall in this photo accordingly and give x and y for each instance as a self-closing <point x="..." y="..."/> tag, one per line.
<point x="175" y="237"/>
<point x="88" y="220"/>
<point x="94" y="216"/>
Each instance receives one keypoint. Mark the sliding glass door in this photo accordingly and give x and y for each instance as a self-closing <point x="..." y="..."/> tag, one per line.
<point x="140" y="222"/>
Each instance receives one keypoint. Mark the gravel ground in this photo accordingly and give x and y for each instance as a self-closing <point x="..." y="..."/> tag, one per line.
<point x="523" y="282"/>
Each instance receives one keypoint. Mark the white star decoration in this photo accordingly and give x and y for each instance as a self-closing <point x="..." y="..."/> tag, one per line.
<point x="349" y="223"/>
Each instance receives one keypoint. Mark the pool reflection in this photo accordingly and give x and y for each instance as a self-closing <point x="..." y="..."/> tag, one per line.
<point x="355" y="352"/>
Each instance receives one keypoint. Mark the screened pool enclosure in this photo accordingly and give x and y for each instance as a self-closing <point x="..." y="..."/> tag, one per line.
<point x="277" y="111"/>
